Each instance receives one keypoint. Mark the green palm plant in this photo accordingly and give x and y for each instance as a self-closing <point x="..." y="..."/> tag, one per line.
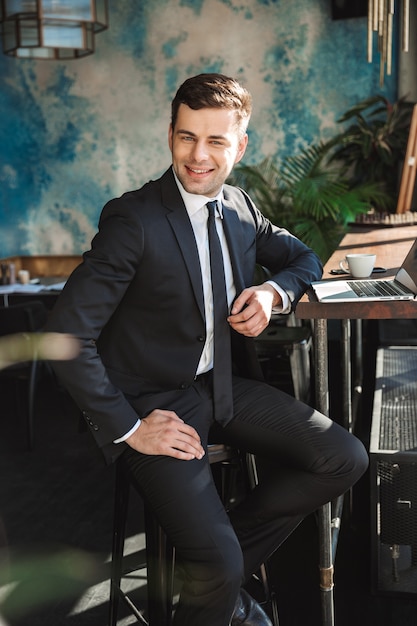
<point x="374" y="144"/>
<point x="307" y="195"/>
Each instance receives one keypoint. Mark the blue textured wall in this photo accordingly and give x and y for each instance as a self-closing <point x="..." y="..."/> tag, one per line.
<point x="74" y="134"/>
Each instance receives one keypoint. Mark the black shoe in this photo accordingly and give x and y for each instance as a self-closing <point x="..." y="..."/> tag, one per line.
<point x="248" y="612"/>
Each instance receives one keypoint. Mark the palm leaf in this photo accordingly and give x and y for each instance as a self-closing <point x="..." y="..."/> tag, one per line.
<point x="305" y="194"/>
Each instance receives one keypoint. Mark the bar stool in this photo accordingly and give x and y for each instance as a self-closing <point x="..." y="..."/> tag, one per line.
<point x="227" y="465"/>
<point x="284" y="339"/>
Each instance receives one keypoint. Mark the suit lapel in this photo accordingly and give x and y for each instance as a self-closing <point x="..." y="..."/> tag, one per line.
<point x="184" y="234"/>
<point x="233" y="232"/>
<point x="243" y="350"/>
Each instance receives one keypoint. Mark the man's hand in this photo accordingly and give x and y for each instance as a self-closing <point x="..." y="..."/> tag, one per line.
<point x="252" y="309"/>
<point x="163" y="432"/>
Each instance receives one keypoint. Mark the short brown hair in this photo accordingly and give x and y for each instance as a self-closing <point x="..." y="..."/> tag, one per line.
<point x="214" y="91"/>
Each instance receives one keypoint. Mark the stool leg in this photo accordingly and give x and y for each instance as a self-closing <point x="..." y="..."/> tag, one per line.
<point x="270" y="595"/>
<point x="250" y="469"/>
<point x="300" y="371"/>
<point x="119" y="530"/>
<point x="160" y="558"/>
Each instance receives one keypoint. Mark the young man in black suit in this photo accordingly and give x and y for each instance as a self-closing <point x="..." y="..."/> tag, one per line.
<point x="143" y="306"/>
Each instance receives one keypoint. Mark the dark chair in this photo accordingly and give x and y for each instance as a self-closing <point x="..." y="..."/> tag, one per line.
<point x="284" y="350"/>
<point x="23" y="320"/>
<point x="228" y="467"/>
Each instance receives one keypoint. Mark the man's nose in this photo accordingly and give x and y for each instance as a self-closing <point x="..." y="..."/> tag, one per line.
<point x="200" y="152"/>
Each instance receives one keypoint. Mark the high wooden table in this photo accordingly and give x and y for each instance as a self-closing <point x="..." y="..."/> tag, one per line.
<point x="391" y="246"/>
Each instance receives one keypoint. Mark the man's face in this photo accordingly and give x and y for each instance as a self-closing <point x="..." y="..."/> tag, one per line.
<point x="205" y="146"/>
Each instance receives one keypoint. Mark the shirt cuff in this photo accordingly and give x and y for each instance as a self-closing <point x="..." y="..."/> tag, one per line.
<point x="285" y="307"/>
<point x="131" y="431"/>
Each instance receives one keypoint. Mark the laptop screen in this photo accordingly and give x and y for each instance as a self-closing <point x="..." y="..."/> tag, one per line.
<point x="407" y="274"/>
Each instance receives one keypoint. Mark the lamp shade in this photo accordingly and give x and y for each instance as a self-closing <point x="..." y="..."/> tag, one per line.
<point x="51" y="29"/>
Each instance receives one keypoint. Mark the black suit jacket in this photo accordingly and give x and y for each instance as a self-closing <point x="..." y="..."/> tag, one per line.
<point x="136" y="301"/>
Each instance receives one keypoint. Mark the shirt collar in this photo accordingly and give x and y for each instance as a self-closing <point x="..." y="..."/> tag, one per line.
<point x="194" y="202"/>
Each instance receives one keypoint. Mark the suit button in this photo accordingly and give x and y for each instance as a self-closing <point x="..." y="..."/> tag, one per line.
<point x="200" y="338"/>
<point x="183" y="386"/>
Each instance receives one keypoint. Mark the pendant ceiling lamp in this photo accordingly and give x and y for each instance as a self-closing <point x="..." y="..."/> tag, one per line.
<point x="51" y="29"/>
<point x="380" y="22"/>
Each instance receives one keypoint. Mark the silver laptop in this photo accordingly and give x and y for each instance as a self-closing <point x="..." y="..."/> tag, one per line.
<point x="402" y="287"/>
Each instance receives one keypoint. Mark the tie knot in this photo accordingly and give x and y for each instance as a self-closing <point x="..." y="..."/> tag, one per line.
<point x="212" y="208"/>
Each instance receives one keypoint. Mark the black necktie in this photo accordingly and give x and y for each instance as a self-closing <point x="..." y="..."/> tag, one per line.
<point x="222" y="362"/>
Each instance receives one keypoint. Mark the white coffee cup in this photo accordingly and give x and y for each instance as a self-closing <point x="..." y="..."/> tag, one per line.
<point x="359" y="265"/>
<point x="23" y="276"/>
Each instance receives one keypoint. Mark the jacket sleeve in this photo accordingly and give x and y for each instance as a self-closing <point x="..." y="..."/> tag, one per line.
<point x="87" y="302"/>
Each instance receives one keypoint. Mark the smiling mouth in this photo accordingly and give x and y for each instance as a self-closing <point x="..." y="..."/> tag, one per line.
<point x="198" y="171"/>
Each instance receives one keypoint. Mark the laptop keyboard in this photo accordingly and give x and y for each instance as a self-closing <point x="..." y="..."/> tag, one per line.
<point x="375" y="288"/>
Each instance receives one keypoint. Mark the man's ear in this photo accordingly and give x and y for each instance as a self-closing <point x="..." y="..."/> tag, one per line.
<point x="170" y="137"/>
<point x="241" y="148"/>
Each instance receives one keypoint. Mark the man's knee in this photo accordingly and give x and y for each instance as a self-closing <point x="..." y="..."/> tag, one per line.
<point x="352" y="461"/>
<point x="360" y="459"/>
